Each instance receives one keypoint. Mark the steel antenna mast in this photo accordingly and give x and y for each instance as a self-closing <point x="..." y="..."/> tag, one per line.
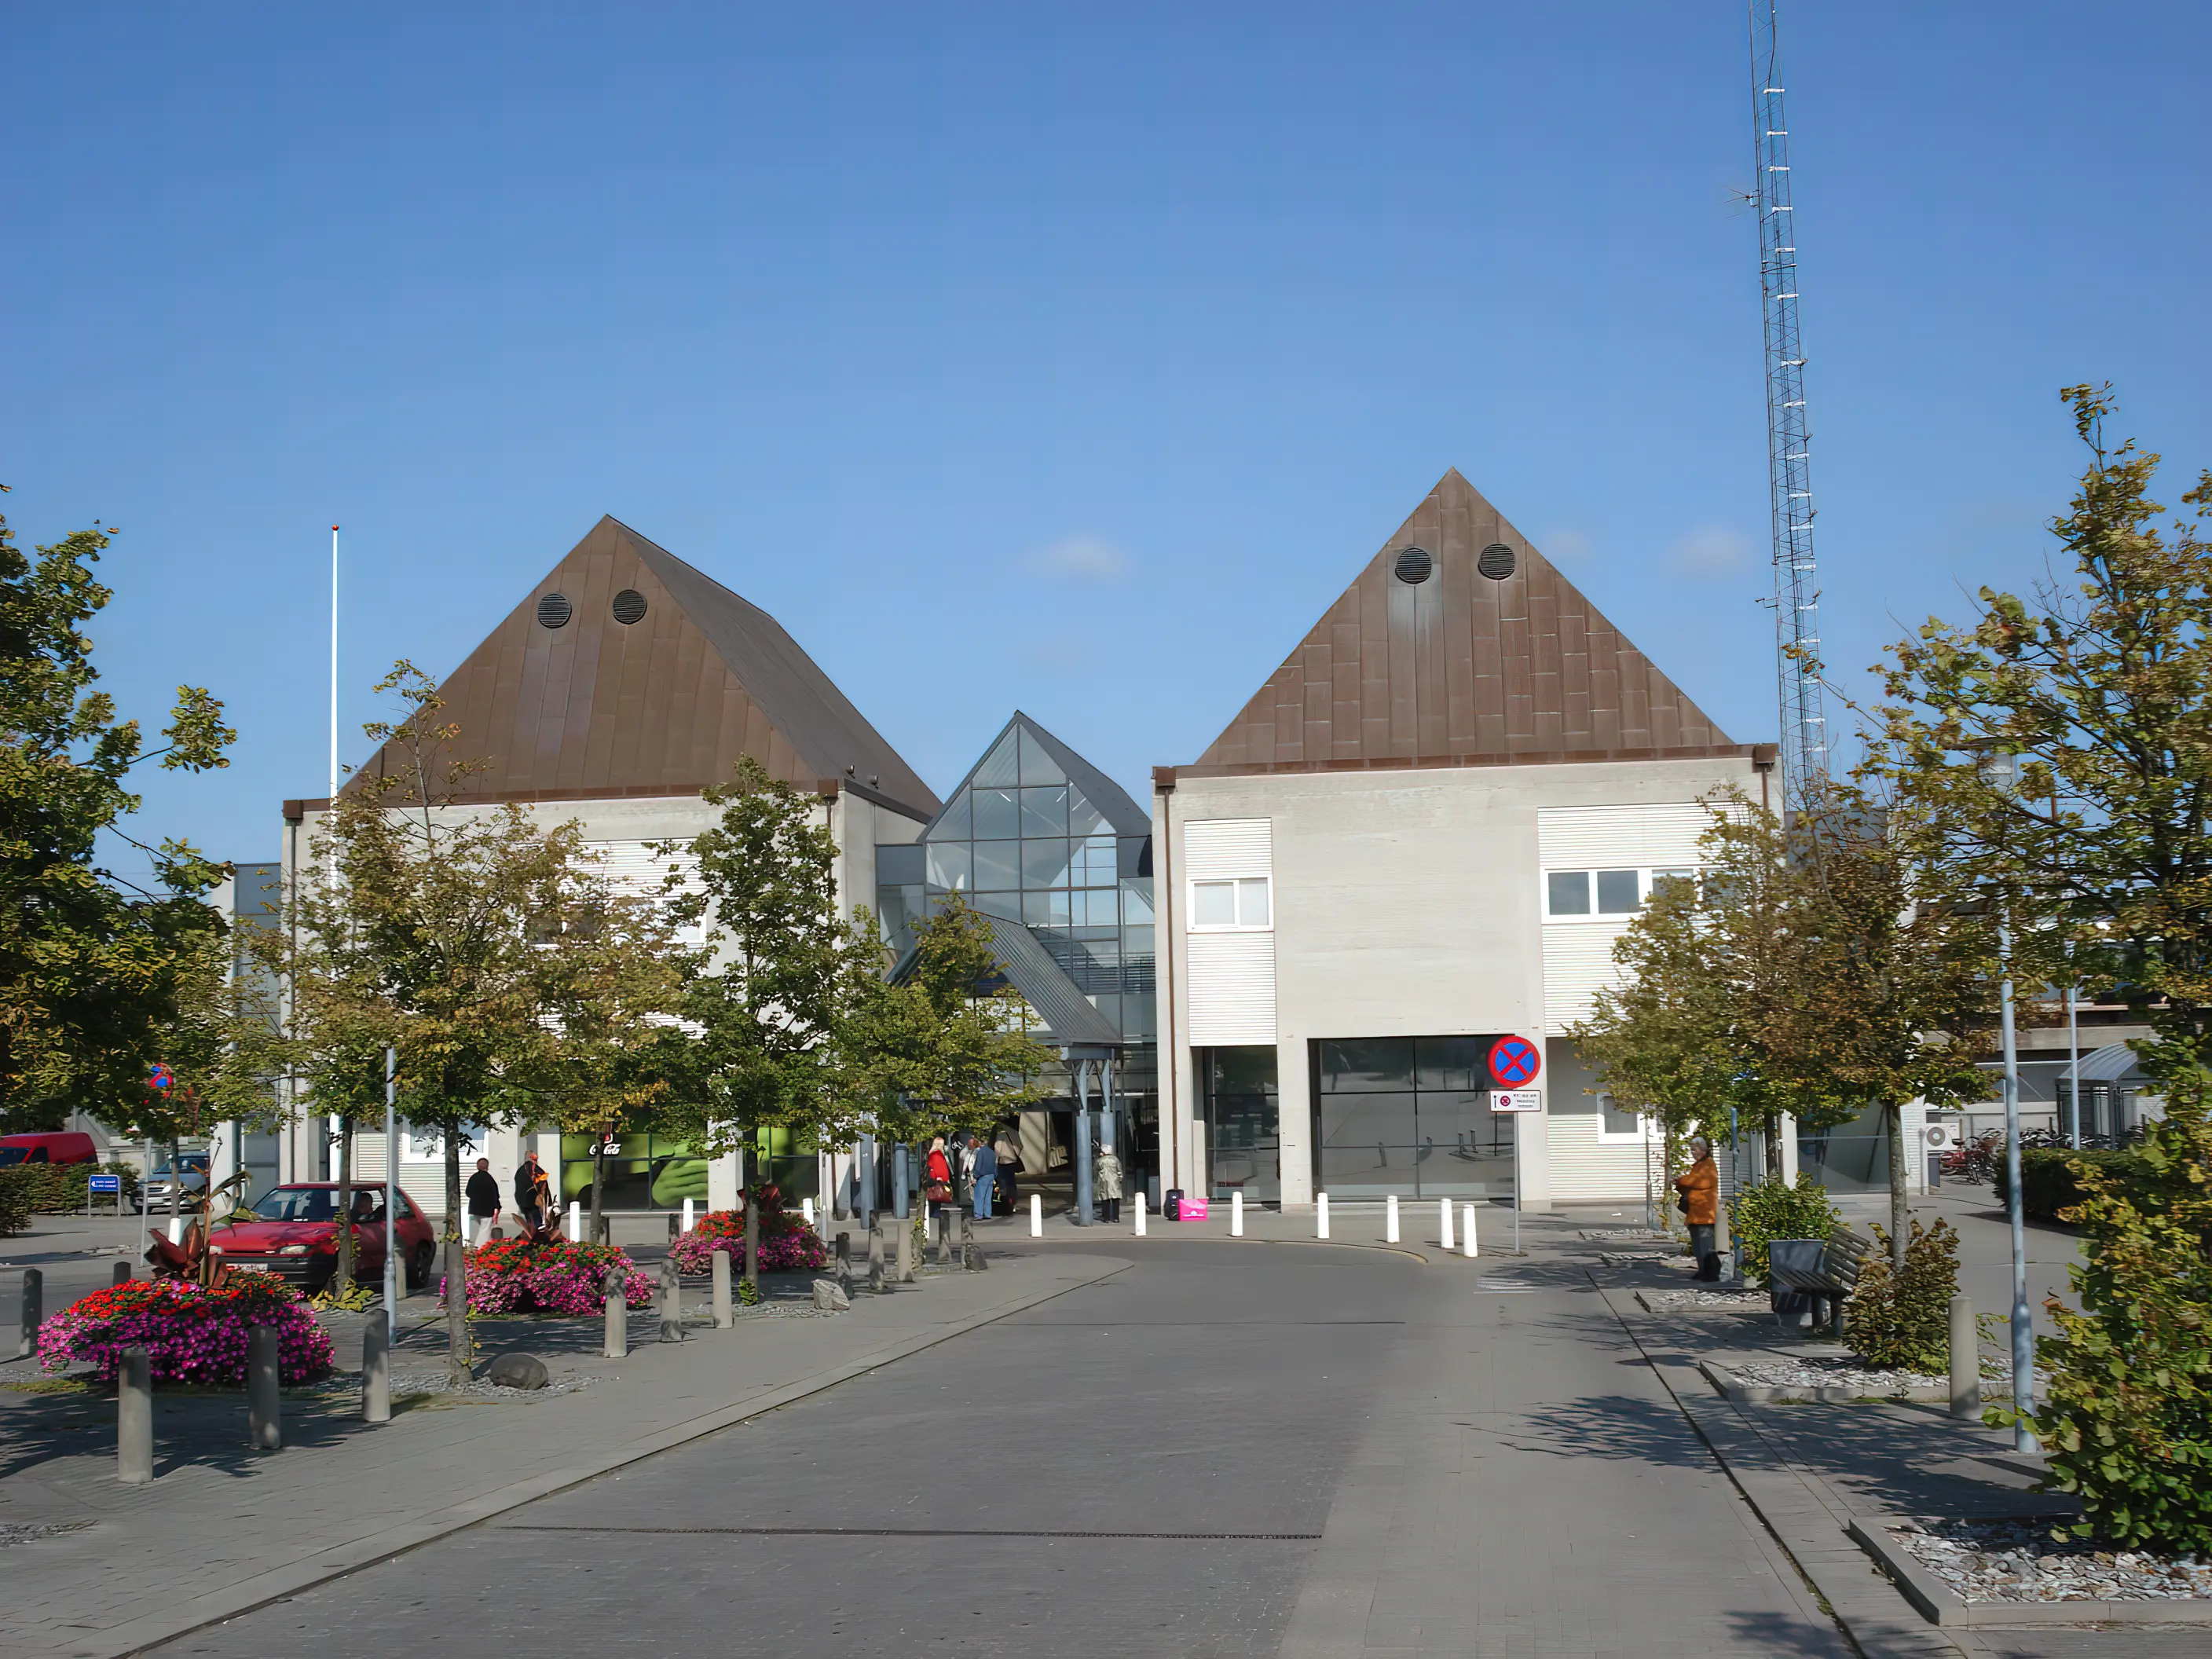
<point x="1796" y="587"/>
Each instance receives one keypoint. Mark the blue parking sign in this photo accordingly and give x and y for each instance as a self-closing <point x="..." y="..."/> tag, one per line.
<point x="104" y="1183"/>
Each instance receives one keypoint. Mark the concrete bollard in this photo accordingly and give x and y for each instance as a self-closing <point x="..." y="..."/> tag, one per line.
<point x="264" y="1420"/>
<point x="176" y="1230"/>
<point x="1443" y="1223"/>
<point x="123" y="1272"/>
<point x="134" y="1420"/>
<point x="1965" y="1360"/>
<point x="1471" y="1241"/>
<point x="945" y="1240"/>
<point x="725" y="1315"/>
<point x="844" y="1257"/>
<point x="689" y="1215"/>
<point x="876" y="1251"/>
<point x="1037" y="1216"/>
<point x="806" y="1210"/>
<point x="575" y="1221"/>
<point x="1321" y="1215"/>
<point x="34" y="1311"/>
<point x="376" y="1367"/>
<point x="1236" y="1214"/>
<point x="906" y="1252"/>
<point x="1137" y="1217"/>
<point x="1390" y="1219"/>
<point x="618" y="1315"/>
<point x="672" y="1300"/>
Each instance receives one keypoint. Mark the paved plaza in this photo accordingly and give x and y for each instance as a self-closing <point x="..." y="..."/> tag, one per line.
<point x="1181" y="1444"/>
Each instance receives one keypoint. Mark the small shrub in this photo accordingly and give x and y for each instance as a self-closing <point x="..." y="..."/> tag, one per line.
<point x="2050" y="1177"/>
<point x="512" y="1275"/>
<point x="2127" y="1417"/>
<point x="29" y="1189"/>
<point x="787" y="1244"/>
<point x="15" y="1203"/>
<point x="1899" y="1318"/>
<point x="1774" y="1209"/>
<point x="190" y="1334"/>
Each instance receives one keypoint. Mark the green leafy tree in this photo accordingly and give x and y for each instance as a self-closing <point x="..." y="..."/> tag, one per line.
<point x="765" y="1005"/>
<point x="946" y="1047"/>
<point x="465" y="938"/>
<point x="2093" y="687"/>
<point x="1900" y="1309"/>
<point x="90" y="965"/>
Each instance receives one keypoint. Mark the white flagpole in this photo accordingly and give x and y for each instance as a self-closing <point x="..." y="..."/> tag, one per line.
<point x="334" y="666"/>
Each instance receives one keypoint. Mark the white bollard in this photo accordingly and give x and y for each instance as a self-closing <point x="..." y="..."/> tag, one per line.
<point x="575" y="1221"/>
<point x="176" y="1230"/>
<point x="806" y="1209"/>
<point x="1237" y="1215"/>
<point x="1140" y="1213"/>
<point x="1037" y="1216"/>
<point x="1390" y="1219"/>
<point x="1443" y="1223"/>
<point x="688" y="1213"/>
<point x="1467" y="1221"/>
<point x="1320" y="1216"/>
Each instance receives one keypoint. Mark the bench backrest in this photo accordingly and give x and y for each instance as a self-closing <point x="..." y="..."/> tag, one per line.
<point x="1843" y="1255"/>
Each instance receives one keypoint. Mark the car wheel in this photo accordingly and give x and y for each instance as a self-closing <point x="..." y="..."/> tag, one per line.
<point x="418" y="1266"/>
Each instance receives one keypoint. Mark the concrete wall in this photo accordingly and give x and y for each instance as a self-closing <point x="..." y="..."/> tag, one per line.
<point x="1405" y="903"/>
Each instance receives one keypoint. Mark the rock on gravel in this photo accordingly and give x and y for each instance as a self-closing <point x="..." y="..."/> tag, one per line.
<point x="2019" y="1560"/>
<point x="518" y="1371"/>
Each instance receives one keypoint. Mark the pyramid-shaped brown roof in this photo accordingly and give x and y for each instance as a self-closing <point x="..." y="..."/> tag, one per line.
<point x="1489" y="657"/>
<point x="613" y="702"/>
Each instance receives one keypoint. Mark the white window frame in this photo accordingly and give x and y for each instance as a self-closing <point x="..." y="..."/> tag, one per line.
<point x="1645" y="1131"/>
<point x="1266" y="883"/>
<point x="1646" y="874"/>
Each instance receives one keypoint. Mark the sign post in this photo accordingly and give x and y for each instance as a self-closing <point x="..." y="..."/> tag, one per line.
<point x="1513" y="1063"/>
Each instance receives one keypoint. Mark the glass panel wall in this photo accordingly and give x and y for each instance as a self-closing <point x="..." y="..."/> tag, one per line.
<point x="1409" y="1115"/>
<point x="1243" y="1136"/>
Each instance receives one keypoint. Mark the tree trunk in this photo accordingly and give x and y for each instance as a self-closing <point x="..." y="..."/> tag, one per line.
<point x="1774" y="1149"/>
<point x="457" y="1357"/>
<point x="342" y="1281"/>
<point x="1670" y="1154"/>
<point x="598" y="1185"/>
<point x="177" y="1179"/>
<point x="746" y="1194"/>
<point x="1900" y="1212"/>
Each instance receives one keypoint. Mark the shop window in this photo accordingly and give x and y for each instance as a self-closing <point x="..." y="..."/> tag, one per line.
<point x="1221" y="905"/>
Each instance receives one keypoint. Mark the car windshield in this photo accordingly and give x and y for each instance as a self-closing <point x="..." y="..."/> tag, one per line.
<point x="13" y="1155"/>
<point x="297" y="1204"/>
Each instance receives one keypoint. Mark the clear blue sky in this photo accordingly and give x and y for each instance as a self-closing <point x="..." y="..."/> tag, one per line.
<point x="1070" y="358"/>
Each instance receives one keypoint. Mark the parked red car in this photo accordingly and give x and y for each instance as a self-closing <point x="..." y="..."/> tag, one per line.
<point x="294" y="1235"/>
<point x="63" y="1147"/>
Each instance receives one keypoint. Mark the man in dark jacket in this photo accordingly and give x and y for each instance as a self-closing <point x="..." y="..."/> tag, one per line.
<point x="484" y="1202"/>
<point x="534" y="1195"/>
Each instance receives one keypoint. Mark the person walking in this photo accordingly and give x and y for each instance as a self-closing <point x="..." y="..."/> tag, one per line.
<point x="1107" y="1180"/>
<point x="984" y="1178"/>
<point x="534" y="1195"/>
<point x="1698" y="1189"/>
<point x="1009" y="1159"/>
<point x="484" y="1202"/>
<point x="937" y="1182"/>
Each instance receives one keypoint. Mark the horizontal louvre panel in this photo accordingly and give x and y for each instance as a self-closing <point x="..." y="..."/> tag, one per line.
<point x="1214" y="847"/>
<point x="1621" y="837"/>
<point x="1232" y="988"/>
<point x="1577" y="961"/>
<point x="1588" y="1171"/>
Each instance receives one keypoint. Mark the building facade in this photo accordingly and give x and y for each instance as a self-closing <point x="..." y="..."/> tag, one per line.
<point x="1421" y="837"/>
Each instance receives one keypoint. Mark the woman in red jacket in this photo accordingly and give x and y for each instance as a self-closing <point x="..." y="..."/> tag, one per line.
<point x="937" y="1184"/>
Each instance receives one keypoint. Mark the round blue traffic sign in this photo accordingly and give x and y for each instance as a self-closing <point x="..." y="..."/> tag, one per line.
<point x="162" y="1077"/>
<point x="1514" y="1062"/>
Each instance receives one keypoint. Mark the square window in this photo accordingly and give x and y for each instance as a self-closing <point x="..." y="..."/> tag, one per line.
<point x="1616" y="1122"/>
<point x="1044" y="810"/>
<point x="997" y="817"/>
<point x="1569" y="892"/>
<point x="1044" y="863"/>
<point x="997" y="864"/>
<point x="900" y="866"/>
<point x="1213" y="904"/>
<point x="1617" y="894"/>
<point x="1661" y="877"/>
<point x="1252" y="902"/>
<point x="1045" y="909"/>
<point x="948" y="865"/>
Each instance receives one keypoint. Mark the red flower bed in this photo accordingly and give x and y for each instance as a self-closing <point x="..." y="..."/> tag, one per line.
<point x="190" y="1335"/>
<point x="787" y="1244"/>
<point x="512" y="1275"/>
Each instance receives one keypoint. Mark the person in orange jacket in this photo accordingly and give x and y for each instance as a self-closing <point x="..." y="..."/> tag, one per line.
<point x="1699" y="1187"/>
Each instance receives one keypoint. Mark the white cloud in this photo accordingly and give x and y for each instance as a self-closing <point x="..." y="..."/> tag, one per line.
<point x="1710" y="550"/>
<point x="1080" y="559"/>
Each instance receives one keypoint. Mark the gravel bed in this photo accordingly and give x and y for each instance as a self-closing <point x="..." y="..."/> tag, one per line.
<point x="1623" y="1232"/>
<point x="1821" y="1371"/>
<point x="17" y="1532"/>
<point x="1642" y="1258"/>
<point x="1741" y="1301"/>
<point x="480" y="1389"/>
<point x="2015" y="1560"/>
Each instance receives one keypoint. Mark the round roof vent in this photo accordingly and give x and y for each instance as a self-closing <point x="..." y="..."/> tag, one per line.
<point x="1414" y="565"/>
<point x="1497" y="562"/>
<point x="554" y="611"/>
<point x="629" y="606"/>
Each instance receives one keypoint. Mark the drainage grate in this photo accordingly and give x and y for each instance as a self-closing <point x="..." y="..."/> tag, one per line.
<point x="1497" y="562"/>
<point x="629" y="606"/>
<point x="1414" y="565"/>
<point x="554" y="611"/>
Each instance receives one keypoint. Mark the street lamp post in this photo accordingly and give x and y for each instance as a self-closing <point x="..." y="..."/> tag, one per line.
<point x="2023" y="1336"/>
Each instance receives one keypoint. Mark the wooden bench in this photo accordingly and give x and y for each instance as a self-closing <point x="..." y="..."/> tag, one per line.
<point x="1842" y="1258"/>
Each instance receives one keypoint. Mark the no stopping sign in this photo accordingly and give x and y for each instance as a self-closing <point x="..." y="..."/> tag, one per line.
<point x="1514" y="1062"/>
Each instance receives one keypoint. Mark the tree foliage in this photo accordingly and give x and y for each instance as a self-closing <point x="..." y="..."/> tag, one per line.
<point x="1900" y="1309"/>
<point x="90" y="967"/>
